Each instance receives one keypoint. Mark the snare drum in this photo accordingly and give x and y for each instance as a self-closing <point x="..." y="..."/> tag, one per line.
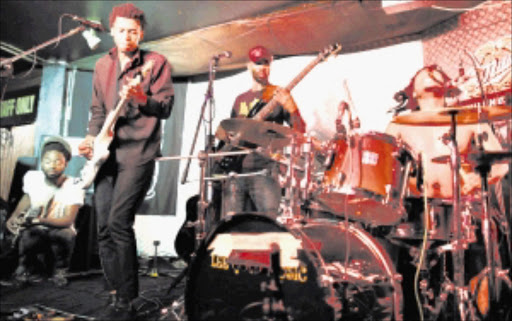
<point x="233" y="276"/>
<point x="371" y="183"/>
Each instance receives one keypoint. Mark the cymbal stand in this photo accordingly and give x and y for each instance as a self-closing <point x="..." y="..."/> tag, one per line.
<point x="291" y="205"/>
<point x="459" y="245"/>
<point x="205" y="192"/>
<point x="483" y="167"/>
<point x="305" y="183"/>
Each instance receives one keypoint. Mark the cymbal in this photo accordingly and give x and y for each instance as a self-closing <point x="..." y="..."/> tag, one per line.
<point x="490" y="157"/>
<point x="463" y="115"/>
<point x="239" y="131"/>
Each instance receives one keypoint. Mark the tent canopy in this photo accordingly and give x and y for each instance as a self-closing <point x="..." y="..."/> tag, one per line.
<point x="189" y="33"/>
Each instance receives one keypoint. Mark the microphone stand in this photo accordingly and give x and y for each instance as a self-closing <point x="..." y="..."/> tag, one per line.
<point x="205" y="192"/>
<point x="6" y="64"/>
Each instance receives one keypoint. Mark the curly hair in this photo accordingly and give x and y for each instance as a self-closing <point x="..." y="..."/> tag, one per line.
<point x="127" y="10"/>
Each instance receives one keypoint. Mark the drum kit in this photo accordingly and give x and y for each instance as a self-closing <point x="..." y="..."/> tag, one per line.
<point x="346" y="218"/>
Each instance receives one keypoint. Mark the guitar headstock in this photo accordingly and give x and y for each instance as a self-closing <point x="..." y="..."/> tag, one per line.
<point x="331" y="50"/>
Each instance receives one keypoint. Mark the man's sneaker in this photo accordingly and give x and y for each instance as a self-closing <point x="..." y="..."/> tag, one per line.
<point x="26" y="278"/>
<point x="121" y="310"/>
<point x="59" y="278"/>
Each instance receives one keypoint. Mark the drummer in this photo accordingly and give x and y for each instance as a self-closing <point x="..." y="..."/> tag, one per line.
<point x="429" y="87"/>
<point x="259" y="193"/>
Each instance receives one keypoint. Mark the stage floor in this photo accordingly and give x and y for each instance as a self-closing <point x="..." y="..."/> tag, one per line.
<point x="85" y="298"/>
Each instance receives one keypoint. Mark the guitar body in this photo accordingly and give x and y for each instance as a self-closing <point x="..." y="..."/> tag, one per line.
<point x="101" y="154"/>
<point x="21" y="217"/>
<point x="266" y="97"/>
<point x="228" y="164"/>
<point x="184" y="242"/>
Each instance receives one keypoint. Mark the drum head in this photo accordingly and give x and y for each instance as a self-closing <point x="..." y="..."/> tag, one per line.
<point x="232" y="276"/>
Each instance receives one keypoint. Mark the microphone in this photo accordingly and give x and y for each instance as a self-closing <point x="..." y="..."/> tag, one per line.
<point x="224" y="54"/>
<point x="397" y="109"/>
<point x="400" y="96"/>
<point x="91" y="24"/>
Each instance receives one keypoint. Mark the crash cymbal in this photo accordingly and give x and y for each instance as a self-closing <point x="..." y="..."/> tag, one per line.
<point x="240" y="131"/>
<point x="477" y="157"/>
<point x="463" y="115"/>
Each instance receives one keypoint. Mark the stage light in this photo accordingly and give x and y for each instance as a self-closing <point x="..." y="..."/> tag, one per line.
<point x="92" y="39"/>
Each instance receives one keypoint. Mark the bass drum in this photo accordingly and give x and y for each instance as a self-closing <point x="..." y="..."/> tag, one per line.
<point x="231" y="277"/>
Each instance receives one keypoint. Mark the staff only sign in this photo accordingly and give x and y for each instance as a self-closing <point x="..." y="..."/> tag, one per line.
<point x="18" y="109"/>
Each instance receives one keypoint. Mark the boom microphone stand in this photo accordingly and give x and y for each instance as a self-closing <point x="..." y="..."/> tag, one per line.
<point x="6" y="64"/>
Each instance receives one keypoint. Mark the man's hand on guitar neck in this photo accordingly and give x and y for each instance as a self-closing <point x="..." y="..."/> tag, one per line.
<point x="86" y="147"/>
<point x="133" y="91"/>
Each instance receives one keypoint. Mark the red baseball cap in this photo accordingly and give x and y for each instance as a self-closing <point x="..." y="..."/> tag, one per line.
<point x="259" y="55"/>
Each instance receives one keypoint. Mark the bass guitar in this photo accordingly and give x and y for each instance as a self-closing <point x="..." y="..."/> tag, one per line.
<point x="263" y="109"/>
<point x="267" y="104"/>
<point x="104" y="138"/>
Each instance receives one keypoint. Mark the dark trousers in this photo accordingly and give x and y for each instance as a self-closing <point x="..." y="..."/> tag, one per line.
<point x="117" y="196"/>
<point x="260" y="193"/>
<point x="57" y="243"/>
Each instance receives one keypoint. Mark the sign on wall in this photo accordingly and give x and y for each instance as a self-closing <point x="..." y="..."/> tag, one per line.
<point x="19" y="108"/>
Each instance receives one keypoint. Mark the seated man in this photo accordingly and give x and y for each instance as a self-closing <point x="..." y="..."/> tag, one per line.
<point x="44" y="218"/>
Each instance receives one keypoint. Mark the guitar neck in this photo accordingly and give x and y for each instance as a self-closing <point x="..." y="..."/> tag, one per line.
<point x="265" y="111"/>
<point x="112" y="117"/>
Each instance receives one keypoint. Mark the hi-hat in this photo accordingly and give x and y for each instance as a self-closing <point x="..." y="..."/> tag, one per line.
<point x="240" y="131"/>
<point x="463" y="115"/>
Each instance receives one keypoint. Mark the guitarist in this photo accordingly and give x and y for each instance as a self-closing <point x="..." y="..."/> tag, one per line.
<point x="44" y="217"/>
<point x="260" y="193"/>
<point x="124" y="178"/>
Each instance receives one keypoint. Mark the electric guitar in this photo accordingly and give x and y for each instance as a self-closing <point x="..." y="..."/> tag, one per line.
<point x="106" y="135"/>
<point x="17" y="221"/>
<point x="267" y="104"/>
<point x="262" y="110"/>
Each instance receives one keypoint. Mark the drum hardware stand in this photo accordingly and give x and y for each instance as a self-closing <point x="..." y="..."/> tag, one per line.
<point x="461" y="293"/>
<point x="291" y="193"/>
<point x="273" y="305"/>
<point x="203" y="156"/>
<point x="483" y="167"/>
<point x="205" y="192"/>
<point x="305" y="184"/>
